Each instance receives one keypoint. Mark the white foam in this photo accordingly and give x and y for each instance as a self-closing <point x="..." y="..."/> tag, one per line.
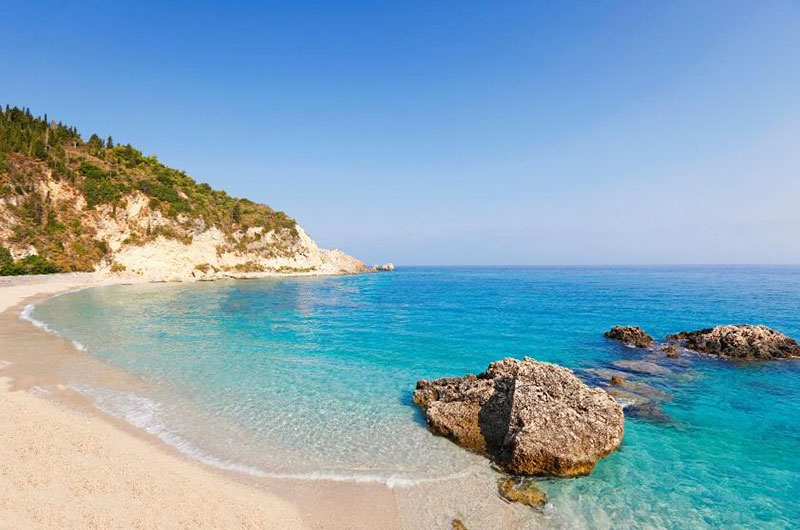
<point x="27" y="314"/>
<point x="148" y="415"/>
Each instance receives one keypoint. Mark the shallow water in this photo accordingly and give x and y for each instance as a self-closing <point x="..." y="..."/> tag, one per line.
<point x="313" y="377"/>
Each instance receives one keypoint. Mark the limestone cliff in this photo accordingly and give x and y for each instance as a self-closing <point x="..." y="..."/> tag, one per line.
<point x="93" y="206"/>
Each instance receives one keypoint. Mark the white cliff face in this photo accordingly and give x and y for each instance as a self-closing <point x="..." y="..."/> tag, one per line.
<point x="144" y="244"/>
<point x="209" y="256"/>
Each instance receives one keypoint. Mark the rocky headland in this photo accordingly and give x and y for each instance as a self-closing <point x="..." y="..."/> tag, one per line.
<point x="74" y="205"/>
<point x="529" y="417"/>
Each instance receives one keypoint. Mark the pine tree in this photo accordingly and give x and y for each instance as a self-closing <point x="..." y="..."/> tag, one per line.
<point x="110" y="143"/>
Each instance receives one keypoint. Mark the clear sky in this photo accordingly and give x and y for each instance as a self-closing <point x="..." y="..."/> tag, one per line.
<point x="428" y="132"/>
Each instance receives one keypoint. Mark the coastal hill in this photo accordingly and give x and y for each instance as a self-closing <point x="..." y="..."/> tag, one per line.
<point x="72" y="205"/>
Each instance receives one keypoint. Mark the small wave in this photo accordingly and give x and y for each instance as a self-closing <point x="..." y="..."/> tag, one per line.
<point x="27" y="313"/>
<point x="147" y="414"/>
<point x="79" y="346"/>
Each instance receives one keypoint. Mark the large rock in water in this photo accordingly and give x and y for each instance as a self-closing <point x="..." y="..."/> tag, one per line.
<point x="742" y="341"/>
<point x="530" y="417"/>
<point x="630" y="335"/>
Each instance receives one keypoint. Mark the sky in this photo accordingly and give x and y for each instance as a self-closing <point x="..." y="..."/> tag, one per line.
<point x="451" y="133"/>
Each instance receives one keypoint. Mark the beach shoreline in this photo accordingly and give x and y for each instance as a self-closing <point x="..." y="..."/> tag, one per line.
<point x="70" y="465"/>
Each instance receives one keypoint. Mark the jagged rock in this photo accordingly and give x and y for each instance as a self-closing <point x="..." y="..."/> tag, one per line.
<point x="522" y="491"/>
<point x="642" y="367"/>
<point x="741" y="341"/>
<point x="530" y="417"/>
<point x="631" y="336"/>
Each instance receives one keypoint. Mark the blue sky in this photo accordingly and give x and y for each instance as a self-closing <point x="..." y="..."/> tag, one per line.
<point x="451" y="132"/>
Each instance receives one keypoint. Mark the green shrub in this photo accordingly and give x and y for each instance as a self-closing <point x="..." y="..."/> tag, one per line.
<point x="100" y="187"/>
<point x="6" y="260"/>
<point x="28" y="265"/>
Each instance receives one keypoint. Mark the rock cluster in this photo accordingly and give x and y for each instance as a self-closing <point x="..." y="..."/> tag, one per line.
<point x="530" y="417"/>
<point x="631" y="336"/>
<point x="741" y="341"/>
<point x="386" y="267"/>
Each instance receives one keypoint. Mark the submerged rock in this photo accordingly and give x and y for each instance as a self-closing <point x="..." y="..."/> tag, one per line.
<point x="642" y="367"/>
<point x="740" y="341"/>
<point x="530" y="417"/>
<point x="641" y="401"/>
<point x="650" y="411"/>
<point x="631" y="336"/>
<point x="522" y="491"/>
<point x="670" y="351"/>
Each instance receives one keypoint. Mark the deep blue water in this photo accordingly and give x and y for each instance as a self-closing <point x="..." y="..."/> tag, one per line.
<point x="314" y="376"/>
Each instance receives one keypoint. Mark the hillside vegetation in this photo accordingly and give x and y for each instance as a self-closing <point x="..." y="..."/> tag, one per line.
<point x="69" y="204"/>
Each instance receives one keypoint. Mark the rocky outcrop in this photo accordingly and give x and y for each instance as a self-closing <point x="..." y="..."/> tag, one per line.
<point x="740" y="341"/>
<point x="386" y="267"/>
<point x="630" y="336"/>
<point x="530" y="417"/>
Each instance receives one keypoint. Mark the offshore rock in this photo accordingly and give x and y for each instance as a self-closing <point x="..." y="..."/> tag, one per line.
<point x="630" y="336"/>
<point x="530" y="417"/>
<point x="740" y="341"/>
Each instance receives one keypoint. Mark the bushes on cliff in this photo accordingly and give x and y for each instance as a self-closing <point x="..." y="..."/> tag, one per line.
<point x="100" y="187"/>
<point x="6" y="260"/>
<point x="34" y="152"/>
<point x="26" y="265"/>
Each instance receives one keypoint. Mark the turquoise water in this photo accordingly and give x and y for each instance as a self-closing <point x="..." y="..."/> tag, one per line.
<point x="313" y="377"/>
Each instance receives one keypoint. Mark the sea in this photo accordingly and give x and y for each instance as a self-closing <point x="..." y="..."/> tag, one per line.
<point x="312" y="378"/>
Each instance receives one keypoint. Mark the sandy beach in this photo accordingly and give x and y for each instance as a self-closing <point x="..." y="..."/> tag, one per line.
<point x="66" y="465"/>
